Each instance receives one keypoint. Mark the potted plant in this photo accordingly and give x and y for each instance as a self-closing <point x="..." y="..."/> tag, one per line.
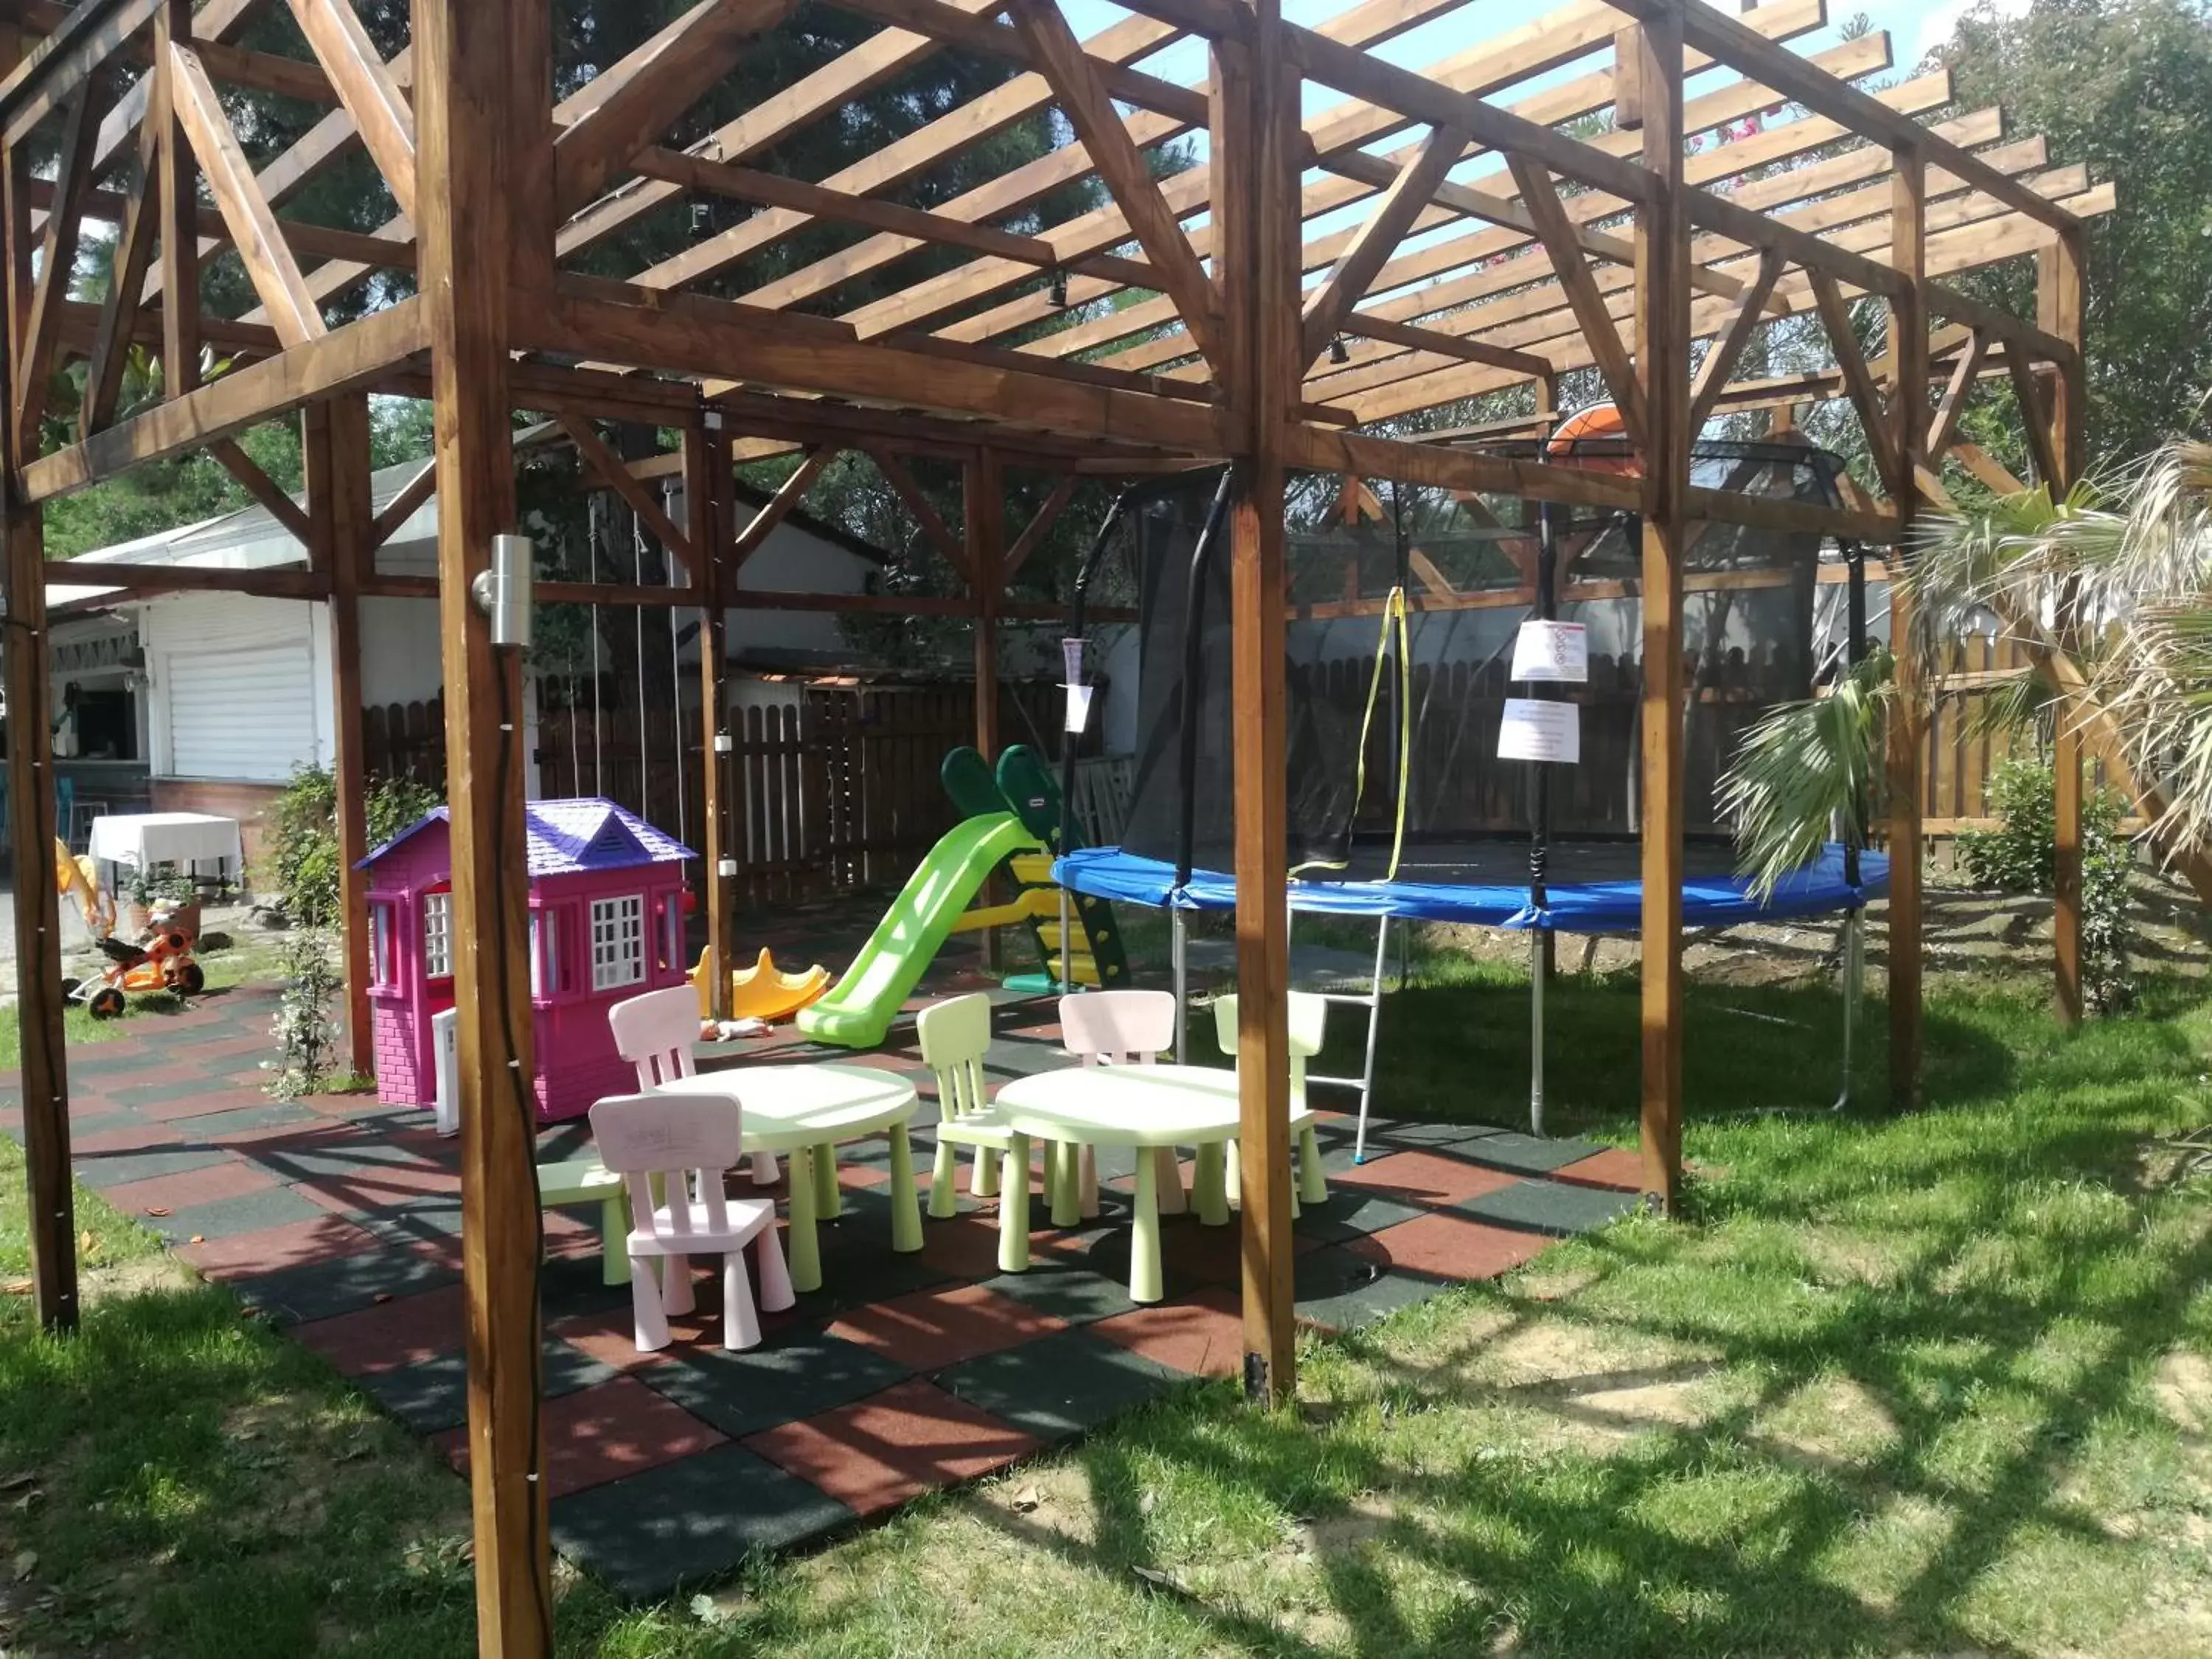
<point x="138" y="892"/>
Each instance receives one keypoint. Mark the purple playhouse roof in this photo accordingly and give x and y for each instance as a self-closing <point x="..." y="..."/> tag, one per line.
<point x="569" y="836"/>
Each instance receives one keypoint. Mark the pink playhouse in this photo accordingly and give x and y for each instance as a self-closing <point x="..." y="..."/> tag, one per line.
<point x="606" y="922"/>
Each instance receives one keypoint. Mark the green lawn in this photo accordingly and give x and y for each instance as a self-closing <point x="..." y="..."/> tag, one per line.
<point x="1938" y="1384"/>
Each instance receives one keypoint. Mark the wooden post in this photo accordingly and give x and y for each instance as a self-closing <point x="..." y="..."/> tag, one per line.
<point x="1254" y="118"/>
<point x="51" y="1196"/>
<point x="2059" y="279"/>
<point x="1908" y="333"/>
<point x="483" y="223"/>
<point x="983" y="509"/>
<point x="341" y="509"/>
<point x="707" y="521"/>
<point x="178" y="190"/>
<point x="1663" y="374"/>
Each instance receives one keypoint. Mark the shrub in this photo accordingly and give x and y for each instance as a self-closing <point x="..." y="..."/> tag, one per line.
<point x="304" y="839"/>
<point x="307" y="1035"/>
<point x="2020" y="856"/>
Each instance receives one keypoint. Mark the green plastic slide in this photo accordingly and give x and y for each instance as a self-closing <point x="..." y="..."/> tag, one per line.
<point x="858" y="1010"/>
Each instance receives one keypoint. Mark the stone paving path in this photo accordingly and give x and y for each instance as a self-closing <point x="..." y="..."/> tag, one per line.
<point x="339" y="1219"/>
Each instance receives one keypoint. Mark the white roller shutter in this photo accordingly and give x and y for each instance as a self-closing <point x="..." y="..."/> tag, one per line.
<point x="241" y="696"/>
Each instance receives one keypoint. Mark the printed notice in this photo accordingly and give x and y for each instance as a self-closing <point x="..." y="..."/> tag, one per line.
<point x="1078" y="708"/>
<point x="1532" y="731"/>
<point x="1555" y="652"/>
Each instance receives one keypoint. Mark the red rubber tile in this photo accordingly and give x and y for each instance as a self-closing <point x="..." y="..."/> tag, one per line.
<point x="295" y="1244"/>
<point x="601" y="1434"/>
<point x="217" y="1181"/>
<point x="1203" y="1335"/>
<point x="879" y="1452"/>
<point x="218" y="1097"/>
<point x="1425" y="1178"/>
<point x="134" y="1139"/>
<point x="395" y="1333"/>
<point x="1449" y="1247"/>
<point x="861" y="1176"/>
<point x="1621" y="1171"/>
<point x="932" y="1329"/>
<point x="964" y="1247"/>
<point x="380" y="1186"/>
<point x="611" y="1337"/>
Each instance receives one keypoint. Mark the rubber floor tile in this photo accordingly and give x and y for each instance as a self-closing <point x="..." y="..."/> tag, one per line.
<point x="1059" y="1386"/>
<point x="400" y="1332"/>
<point x="1073" y="1294"/>
<point x="1508" y="1148"/>
<point x="249" y="1213"/>
<point x="1449" y="1247"/>
<point x="298" y="1243"/>
<point x="323" y="1290"/>
<point x="229" y="1179"/>
<point x="935" y="1329"/>
<point x="431" y="1395"/>
<point x="1623" y="1172"/>
<point x="600" y="1434"/>
<point x="1202" y="1335"/>
<point x="878" y="1453"/>
<point x="1550" y="1206"/>
<point x="106" y="1170"/>
<point x="1341" y="1291"/>
<point x="786" y="1377"/>
<point x="1423" y="1178"/>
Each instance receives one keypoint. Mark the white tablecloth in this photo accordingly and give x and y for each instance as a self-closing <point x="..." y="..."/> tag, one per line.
<point x="143" y="840"/>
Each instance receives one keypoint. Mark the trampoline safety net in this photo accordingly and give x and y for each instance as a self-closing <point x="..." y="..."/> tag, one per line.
<point x="1361" y="688"/>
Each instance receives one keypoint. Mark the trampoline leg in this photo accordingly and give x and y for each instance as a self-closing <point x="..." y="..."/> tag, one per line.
<point x="1179" y="963"/>
<point x="1854" y="976"/>
<point x="1374" y="1031"/>
<point x="1536" y="987"/>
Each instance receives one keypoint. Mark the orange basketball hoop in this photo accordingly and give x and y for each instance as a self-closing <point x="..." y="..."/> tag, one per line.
<point x="1598" y="421"/>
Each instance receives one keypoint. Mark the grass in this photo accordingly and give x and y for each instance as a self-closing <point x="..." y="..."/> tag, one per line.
<point x="1932" y="1383"/>
<point x="224" y="968"/>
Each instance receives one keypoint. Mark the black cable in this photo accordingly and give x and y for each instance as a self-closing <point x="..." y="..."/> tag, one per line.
<point x="1193" y="653"/>
<point x="1855" y="649"/>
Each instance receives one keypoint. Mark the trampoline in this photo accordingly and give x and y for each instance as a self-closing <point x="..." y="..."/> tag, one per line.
<point x="1404" y="606"/>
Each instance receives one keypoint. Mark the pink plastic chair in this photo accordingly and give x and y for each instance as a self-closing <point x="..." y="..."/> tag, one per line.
<point x="681" y="1144"/>
<point x="655" y="1033"/>
<point x="1122" y="1028"/>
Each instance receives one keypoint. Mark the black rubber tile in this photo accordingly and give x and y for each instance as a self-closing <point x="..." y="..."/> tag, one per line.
<point x="1341" y="1290"/>
<point x="227" y="1218"/>
<point x="689" y="1521"/>
<point x="276" y="1115"/>
<point x="795" y="1373"/>
<point x="432" y="1395"/>
<point x="102" y="1170"/>
<point x="1508" y="1148"/>
<point x="347" y="1284"/>
<point x="1549" y="1206"/>
<point x="171" y="1087"/>
<point x="1059" y="1385"/>
<point x="1351" y="1213"/>
<point x="1065" y="1290"/>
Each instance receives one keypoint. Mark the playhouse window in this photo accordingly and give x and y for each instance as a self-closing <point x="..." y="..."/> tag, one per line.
<point x="618" y="942"/>
<point x="671" y="932"/>
<point x="438" y="935"/>
<point x="381" y="969"/>
<point x="544" y="953"/>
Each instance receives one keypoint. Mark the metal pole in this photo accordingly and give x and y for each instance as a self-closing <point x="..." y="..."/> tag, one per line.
<point x="1178" y="945"/>
<point x="1540" y="831"/>
<point x="1537" y="978"/>
<point x="1854" y="964"/>
<point x="1374" y="1035"/>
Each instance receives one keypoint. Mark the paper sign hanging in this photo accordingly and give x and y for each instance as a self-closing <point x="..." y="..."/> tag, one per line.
<point x="1552" y="652"/>
<point x="1078" y="708"/>
<point x="1071" y="657"/>
<point x="1534" y="731"/>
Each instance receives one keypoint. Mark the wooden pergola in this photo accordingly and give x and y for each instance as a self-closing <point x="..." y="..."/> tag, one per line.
<point x="1488" y="235"/>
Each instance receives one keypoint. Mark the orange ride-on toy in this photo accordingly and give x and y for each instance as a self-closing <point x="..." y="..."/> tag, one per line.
<point x="162" y="961"/>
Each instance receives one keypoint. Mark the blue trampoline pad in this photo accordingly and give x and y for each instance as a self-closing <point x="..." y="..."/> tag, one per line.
<point x="1591" y="887"/>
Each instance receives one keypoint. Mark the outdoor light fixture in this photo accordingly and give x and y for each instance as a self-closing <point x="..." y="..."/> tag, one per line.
<point x="703" y="219"/>
<point x="502" y="590"/>
<point x="1338" y="351"/>
<point x="1060" y="290"/>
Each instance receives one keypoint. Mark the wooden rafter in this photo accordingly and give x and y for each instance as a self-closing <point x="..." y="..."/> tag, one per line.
<point x="380" y="114"/>
<point x="1945" y="426"/>
<point x="119" y="306"/>
<point x="778" y="507"/>
<point x="1378" y="236"/>
<point x="1121" y="167"/>
<point x="34" y="367"/>
<point x="1039" y="526"/>
<point x="653" y="89"/>
<point x="1581" y="289"/>
<point x="2035" y="421"/>
<point x="1719" y="366"/>
<point x="1858" y="379"/>
<point x="934" y="530"/>
<point x="608" y="468"/>
<point x="258" y="483"/>
<point x="401" y="507"/>
<point x="254" y="228"/>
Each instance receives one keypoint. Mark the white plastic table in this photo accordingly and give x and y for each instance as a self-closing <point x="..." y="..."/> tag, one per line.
<point x="1143" y="1107"/>
<point x="802" y="1112"/>
<point x="143" y="840"/>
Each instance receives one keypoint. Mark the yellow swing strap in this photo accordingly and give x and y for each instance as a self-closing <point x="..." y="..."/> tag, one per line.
<point x="1396" y="614"/>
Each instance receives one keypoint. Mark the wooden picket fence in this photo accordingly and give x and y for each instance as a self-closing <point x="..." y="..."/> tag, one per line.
<point x="1962" y="754"/>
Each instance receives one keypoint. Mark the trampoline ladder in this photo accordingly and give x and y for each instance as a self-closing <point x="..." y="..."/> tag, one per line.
<point x="1371" y="1001"/>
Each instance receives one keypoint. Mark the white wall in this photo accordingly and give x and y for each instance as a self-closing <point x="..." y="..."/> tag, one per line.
<point x="250" y="676"/>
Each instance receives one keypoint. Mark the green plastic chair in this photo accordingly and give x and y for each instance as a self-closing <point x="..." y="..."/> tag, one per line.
<point x="1309" y="1024"/>
<point x="955" y="1034"/>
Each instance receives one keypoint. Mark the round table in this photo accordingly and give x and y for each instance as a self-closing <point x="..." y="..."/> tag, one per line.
<point x="802" y="1112"/>
<point x="1143" y="1107"/>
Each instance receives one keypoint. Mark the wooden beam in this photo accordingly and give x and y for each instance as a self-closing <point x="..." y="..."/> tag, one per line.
<point x="1040" y="526"/>
<point x="2035" y="422"/>
<point x="1368" y="327"/>
<point x="118" y="307"/>
<point x="1945" y="426"/>
<point x="1557" y="234"/>
<point x="1662" y="379"/>
<point x="1120" y="166"/>
<point x="1859" y="381"/>
<point x="1906" y="728"/>
<point x="44" y="81"/>
<point x="1719" y="366"/>
<point x="380" y="111"/>
<point x="401" y="507"/>
<point x="656" y="87"/>
<point x="279" y="505"/>
<point x="773" y="512"/>
<point x="2061" y="271"/>
<point x="335" y="448"/>
<point x="483" y="73"/>
<point x="254" y="228"/>
<point x="608" y="468"/>
<point x="34" y="367"/>
<point x="1378" y="237"/>
<point x="132" y="577"/>
<point x="179" y="197"/>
